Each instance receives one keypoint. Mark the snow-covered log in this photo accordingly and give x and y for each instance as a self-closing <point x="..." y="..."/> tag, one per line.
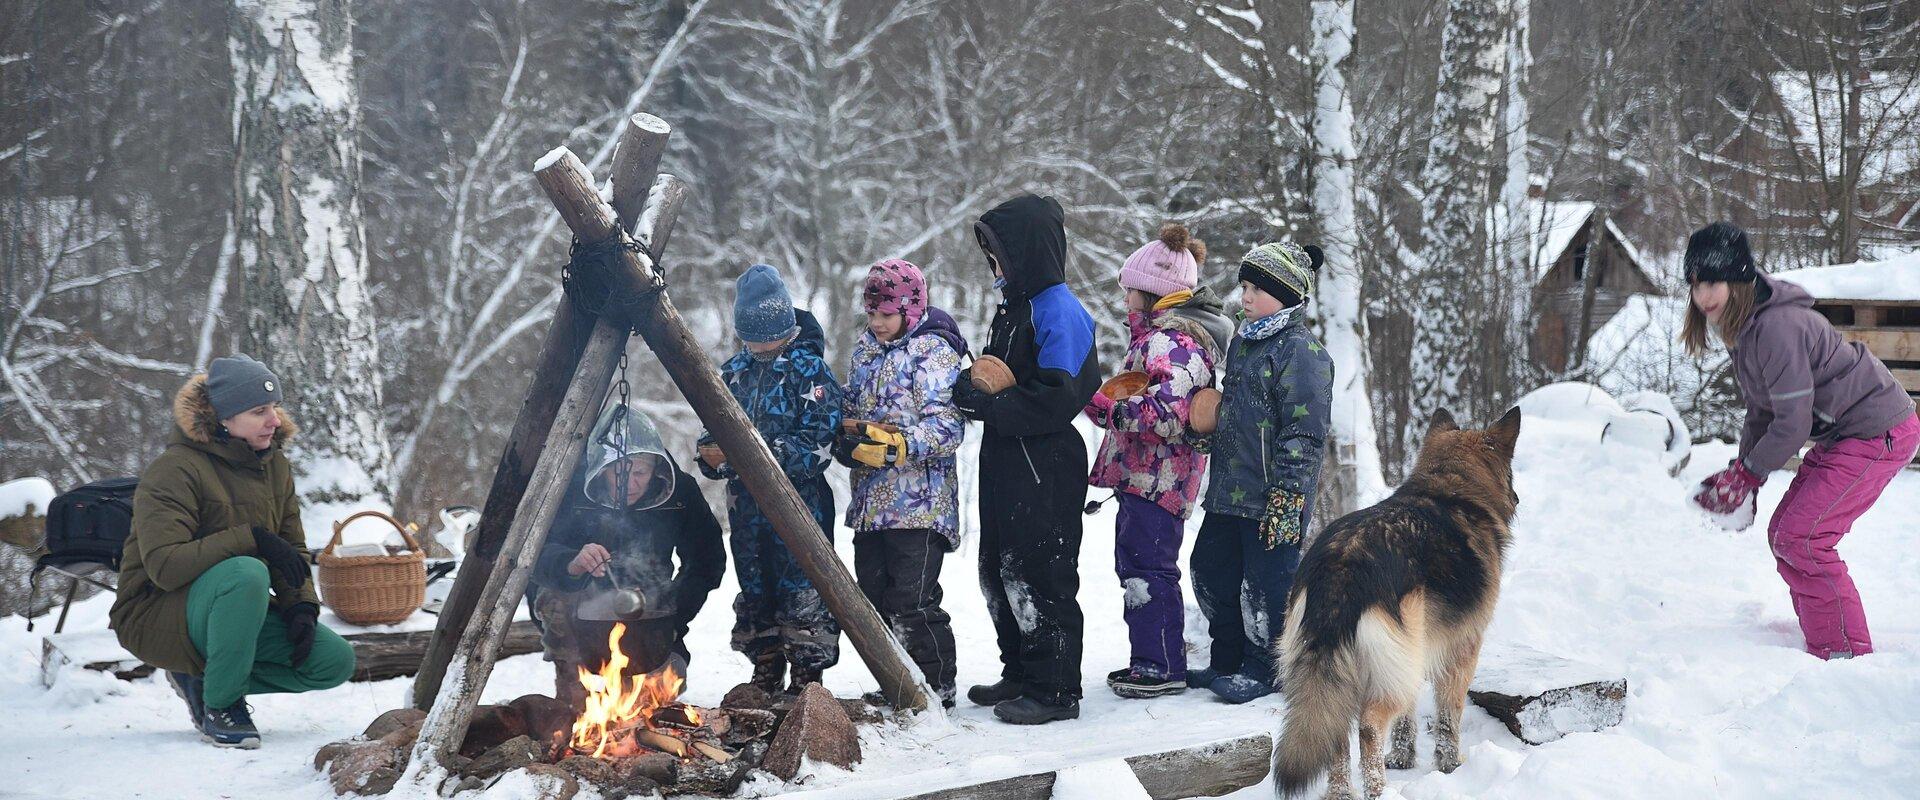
<point x="378" y="655"/>
<point x="1542" y="697"/>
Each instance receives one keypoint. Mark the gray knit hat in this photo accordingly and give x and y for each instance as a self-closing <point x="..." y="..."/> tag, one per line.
<point x="237" y="383"/>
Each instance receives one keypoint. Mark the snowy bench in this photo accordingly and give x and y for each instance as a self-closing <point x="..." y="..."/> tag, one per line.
<point x="379" y="654"/>
<point x="1543" y="697"/>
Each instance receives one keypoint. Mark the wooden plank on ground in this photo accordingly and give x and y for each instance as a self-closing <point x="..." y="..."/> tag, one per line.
<point x="378" y="655"/>
<point x="1211" y="769"/>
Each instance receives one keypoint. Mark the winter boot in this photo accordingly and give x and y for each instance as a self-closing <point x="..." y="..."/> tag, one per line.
<point x="769" y="672"/>
<point x="1029" y="711"/>
<point x="188" y="687"/>
<point x="803" y="676"/>
<point x="1137" y="685"/>
<point x="993" y="694"/>
<point x="1237" y="688"/>
<point x="1201" y="678"/>
<point x="230" y="727"/>
<point x="879" y="699"/>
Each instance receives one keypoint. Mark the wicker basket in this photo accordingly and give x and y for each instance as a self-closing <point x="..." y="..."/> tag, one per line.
<point x="373" y="590"/>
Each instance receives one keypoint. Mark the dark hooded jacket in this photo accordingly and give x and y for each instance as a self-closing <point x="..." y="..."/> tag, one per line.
<point x="1275" y="409"/>
<point x="794" y="402"/>
<point x="1040" y="330"/>
<point x="643" y="534"/>
<point x="197" y="505"/>
<point x="1800" y="380"/>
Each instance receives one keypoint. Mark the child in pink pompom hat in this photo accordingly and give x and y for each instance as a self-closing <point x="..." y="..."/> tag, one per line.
<point x="1163" y="266"/>
<point x="1177" y="334"/>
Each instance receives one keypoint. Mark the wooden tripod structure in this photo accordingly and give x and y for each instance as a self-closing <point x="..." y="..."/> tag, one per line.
<point x="577" y="364"/>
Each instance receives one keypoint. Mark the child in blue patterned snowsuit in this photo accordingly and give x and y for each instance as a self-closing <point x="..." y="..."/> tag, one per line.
<point x="782" y="380"/>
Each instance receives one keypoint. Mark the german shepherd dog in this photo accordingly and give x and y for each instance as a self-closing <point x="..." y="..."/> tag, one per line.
<point x="1389" y="596"/>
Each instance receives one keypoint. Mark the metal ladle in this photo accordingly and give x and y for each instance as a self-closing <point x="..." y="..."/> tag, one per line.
<point x="626" y="602"/>
<point x="618" y="605"/>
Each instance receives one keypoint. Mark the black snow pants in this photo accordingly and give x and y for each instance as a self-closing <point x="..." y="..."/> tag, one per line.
<point x="1032" y="489"/>
<point x="899" y="572"/>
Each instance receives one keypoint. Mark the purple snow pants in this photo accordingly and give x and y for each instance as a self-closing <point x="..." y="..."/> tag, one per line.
<point x="1146" y="554"/>
<point x="1836" y="484"/>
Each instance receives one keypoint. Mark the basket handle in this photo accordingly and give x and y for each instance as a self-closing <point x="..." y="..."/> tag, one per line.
<point x="341" y="525"/>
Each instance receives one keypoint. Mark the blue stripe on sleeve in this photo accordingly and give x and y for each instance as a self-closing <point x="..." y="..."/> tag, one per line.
<point x="1063" y="329"/>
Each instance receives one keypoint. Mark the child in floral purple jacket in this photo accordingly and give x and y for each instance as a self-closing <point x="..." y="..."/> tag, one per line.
<point x="905" y="509"/>
<point x="1147" y="458"/>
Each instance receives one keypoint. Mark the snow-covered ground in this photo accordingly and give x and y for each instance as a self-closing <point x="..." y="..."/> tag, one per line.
<point x="1608" y="567"/>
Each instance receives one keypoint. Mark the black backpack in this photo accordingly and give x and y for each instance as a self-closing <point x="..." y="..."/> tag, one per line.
<point x="91" y="523"/>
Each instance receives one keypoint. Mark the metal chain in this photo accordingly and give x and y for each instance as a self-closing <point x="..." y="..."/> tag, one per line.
<point x="623" y="390"/>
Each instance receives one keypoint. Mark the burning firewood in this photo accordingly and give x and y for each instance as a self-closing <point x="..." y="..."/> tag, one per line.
<point x="716" y="754"/>
<point x="664" y="743"/>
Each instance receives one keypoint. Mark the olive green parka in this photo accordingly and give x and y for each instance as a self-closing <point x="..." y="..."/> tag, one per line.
<point x="196" y="506"/>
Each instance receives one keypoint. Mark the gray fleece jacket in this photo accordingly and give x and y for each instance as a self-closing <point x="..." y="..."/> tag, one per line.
<point x="1801" y="381"/>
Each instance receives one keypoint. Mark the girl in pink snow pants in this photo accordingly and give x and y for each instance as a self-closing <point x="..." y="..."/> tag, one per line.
<point x="1800" y="380"/>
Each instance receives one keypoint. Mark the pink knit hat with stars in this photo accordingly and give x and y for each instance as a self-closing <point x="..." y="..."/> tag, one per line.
<point x="1166" y="265"/>
<point x="896" y="286"/>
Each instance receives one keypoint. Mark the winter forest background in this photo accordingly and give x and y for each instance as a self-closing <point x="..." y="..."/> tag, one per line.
<point x="345" y="191"/>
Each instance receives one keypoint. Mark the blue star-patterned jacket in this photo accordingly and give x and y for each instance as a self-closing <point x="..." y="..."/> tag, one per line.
<point x="1276" y="406"/>
<point x="794" y="401"/>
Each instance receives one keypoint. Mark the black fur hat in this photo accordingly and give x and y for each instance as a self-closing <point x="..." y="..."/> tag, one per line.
<point x="1719" y="252"/>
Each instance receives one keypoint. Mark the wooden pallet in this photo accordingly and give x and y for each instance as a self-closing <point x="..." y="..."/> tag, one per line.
<point x="1890" y="329"/>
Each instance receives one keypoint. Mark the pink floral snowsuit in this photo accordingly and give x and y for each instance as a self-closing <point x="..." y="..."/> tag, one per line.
<point x="1157" y="473"/>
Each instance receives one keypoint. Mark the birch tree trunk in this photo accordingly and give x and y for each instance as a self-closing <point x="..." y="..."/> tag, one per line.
<point x="1450" y="352"/>
<point x="300" y="244"/>
<point x="1515" y="237"/>
<point x="1355" y="479"/>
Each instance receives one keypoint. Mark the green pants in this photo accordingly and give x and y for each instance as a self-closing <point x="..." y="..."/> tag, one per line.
<point x="246" y="648"/>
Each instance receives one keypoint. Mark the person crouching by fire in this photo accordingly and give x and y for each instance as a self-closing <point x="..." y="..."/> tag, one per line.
<point x="630" y="511"/>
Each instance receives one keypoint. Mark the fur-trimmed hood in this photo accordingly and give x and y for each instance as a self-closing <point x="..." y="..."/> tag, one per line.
<point x="193" y="414"/>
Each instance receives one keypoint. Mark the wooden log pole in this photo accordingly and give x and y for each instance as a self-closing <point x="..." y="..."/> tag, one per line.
<point x="452" y="710"/>
<point x="637" y="156"/>
<point x="570" y="188"/>
<point x="471" y="664"/>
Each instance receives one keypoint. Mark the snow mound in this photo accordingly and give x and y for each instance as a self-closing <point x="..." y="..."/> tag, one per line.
<point x="1647" y="422"/>
<point x="25" y="497"/>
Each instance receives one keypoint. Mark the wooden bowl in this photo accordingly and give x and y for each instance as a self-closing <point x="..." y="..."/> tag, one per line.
<point x="991" y="375"/>
<point x="711" y="454"/>
<point x="1203" y="415"/>
<point x="1125" y="385"/>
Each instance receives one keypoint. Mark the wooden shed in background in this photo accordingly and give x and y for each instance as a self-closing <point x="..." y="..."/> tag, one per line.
<point x="1561" y="234"/>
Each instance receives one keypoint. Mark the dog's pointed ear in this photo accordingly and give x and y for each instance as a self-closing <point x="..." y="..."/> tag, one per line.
<point x="1505" y="433"/>
<point x="1442" y="422"/>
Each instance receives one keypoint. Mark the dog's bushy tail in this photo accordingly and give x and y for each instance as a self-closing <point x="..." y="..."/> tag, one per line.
<point x="1322" y="701"/>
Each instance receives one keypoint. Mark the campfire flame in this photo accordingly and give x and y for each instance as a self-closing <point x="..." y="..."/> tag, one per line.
<point x="616" y="704"/>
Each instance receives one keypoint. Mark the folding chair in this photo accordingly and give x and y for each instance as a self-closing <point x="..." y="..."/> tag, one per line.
<point x="76" y="571"/>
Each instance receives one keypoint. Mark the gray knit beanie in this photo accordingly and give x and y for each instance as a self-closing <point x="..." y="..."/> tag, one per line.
<point x="237" y="383"/>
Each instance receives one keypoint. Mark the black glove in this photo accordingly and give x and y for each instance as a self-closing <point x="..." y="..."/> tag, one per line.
<point x="970" y="400"/>
<point x="843" y="450"/>
<point x="282" y="559"/>
<point x="301" y="619"/>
